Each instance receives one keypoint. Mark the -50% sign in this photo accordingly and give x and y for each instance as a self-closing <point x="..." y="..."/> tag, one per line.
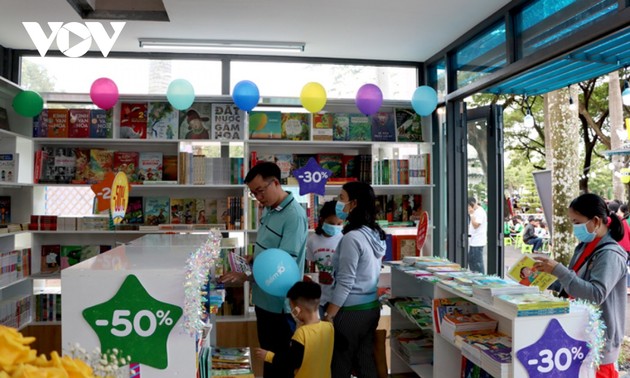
<point x="135" y="323"/>
<point x="122" y="318"/>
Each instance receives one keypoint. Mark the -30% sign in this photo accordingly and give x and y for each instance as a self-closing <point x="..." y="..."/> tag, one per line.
<point x="561" y="360"/>
<point x="315" y="177"/>
<point x="123" y="324"/>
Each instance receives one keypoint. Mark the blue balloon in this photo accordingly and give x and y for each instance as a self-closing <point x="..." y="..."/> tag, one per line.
<point x="424" y="100"/>
<point x="275" y="272"/>
<point x="246" y="95"/>
<point x="180" y="94"/>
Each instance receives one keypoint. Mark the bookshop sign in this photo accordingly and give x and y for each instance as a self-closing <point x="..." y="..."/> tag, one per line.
<point x="86" y="33"/>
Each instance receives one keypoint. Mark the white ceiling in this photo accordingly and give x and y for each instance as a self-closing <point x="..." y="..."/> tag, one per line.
<point x="402" y="30"/>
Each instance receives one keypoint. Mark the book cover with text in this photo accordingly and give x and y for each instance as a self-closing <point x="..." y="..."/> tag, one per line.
<point x="101" y="123"/>
<point x="150" y="166"/>
<point x="163" y="121"/>
<point x="156" y="210"/>
<point x="523" y="272"/>
<point x="127" y="161"/>
<point x="101" y="162"/>
<point x="133" y="120"/>
<point x="265" y="125"/>
<point x="296" y="126"/>
<point x="79" y="123"/>
<point x="227" y="122"/>
<point x="57" y="123"/>
<point x="194" y="122"/>
<point x="383" y="127"/>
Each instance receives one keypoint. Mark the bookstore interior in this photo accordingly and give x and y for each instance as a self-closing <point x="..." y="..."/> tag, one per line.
<point x="122" y="177"/>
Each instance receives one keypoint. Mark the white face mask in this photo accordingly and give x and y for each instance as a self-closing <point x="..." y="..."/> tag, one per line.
<point x="295" y="312"/>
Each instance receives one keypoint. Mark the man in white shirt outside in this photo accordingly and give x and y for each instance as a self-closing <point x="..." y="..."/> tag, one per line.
<point x="477" y="235"/>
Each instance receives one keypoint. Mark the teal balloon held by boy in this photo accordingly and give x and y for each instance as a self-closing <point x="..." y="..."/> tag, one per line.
<point x="275" y="271"/>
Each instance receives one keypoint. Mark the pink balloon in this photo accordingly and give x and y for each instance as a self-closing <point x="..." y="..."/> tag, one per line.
<point x="104" y="93"/>
<point x="369" y="99"/>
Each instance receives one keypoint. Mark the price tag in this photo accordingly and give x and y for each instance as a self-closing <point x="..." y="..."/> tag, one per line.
<point x="135" y="323"/>
<point x="120" y="197"/>
<point x="103" y="192"/>
<point x="312" y="178"/>
<point x="555" y="354"/>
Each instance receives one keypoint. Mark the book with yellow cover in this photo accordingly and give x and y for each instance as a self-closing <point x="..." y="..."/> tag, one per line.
<point x="523" y="272"/>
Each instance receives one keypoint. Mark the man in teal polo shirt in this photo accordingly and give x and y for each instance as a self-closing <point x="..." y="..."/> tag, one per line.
<point x="283" y="225"/>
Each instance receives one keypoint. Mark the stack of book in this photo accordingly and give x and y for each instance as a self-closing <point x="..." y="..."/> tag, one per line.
<point x="453" y="324"/>
<point x="417" y="311"/>
<point x="225" y="362"/>
<point x="492" y="352"/>
<point x="533" y="304"/>
<point x="485" y="288"/>
<point x="413" y="346"/>
<point x="446" y="306"/>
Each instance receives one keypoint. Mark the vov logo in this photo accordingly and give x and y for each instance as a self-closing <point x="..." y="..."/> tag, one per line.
<point x="88" y="32"/>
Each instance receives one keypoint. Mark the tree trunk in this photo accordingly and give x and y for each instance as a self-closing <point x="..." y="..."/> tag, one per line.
<point x="617" y="132"/>
<point x="548" y="146"/>
<point x="565" y="138"/>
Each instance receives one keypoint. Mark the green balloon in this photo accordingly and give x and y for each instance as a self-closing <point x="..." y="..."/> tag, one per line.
<point x="28" y="103"/>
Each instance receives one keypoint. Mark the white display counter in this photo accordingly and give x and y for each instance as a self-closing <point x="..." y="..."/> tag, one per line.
<point x="131" y="298"/>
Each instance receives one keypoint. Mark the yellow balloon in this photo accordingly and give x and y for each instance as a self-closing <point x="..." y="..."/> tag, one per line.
<point x="313" y="97"/>
<point x="625" y="175"/>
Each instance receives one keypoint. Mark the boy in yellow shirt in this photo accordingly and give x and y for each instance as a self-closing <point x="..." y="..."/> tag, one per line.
<point x="311" y="348"/>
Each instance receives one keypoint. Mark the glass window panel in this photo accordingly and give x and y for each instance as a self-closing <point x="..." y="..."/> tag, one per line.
<point x="341" y="81"/>
<point x="481" y="56"/>
<point x="132" y="76"/>
<point x="544" y="22"/>
<point x="437" y="78"/>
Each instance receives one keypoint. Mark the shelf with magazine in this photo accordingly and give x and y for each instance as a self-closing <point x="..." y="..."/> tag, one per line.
<point x="473" y="330"/>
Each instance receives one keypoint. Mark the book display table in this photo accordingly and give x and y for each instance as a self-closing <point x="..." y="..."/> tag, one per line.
<point x="131" y="298"/>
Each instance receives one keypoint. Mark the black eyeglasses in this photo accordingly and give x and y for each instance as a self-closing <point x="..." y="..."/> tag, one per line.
<point x="259" y="192"/>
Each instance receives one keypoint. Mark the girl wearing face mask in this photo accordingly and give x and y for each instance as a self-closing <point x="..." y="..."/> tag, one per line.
<point x="321" y="246"/>
<point x="597" y="270"/>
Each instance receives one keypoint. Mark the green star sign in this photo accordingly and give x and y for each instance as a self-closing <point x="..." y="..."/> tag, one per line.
<point x="135" y="323"/>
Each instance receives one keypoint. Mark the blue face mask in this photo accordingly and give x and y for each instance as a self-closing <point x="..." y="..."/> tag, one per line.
<point x="331" y="229"/>
<point x="339" y="210"/>
<point x="581" y="232"/>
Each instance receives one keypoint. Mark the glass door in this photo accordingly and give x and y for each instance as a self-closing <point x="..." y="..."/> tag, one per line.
<point x="484" y="193"/>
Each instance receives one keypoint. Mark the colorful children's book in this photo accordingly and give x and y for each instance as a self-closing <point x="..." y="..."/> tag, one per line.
<point x="163" y="121"/>
<point x="156" y="210"/>
<point x="82" y="165"/>
<point x="227" y="122"/>
<point x="200" y="211"/>
<point x="265" y="125"/>
<point x="332" y="162"/>
<point x="383" y="127"/>
<point x="285" y="163"/>
<point x="70" y="255"/>
<point x="408" y="125"/>
<point x="360" y="128"/>
<point x="296" y="126"/>
<point x="135" y="212"/>
<point x="101" y="123"/>
<point x="532" y="304"/>
<point x="341" y="126"/>
<point x="50" y="258"/>
<point x="101" y="162"/>
<point x="40" y="125"/>
<point x="79" y="123"/>
<point x="57" y="123"/>
<point x="323" y="126"/>
<point x="150" y="166"/>
<point x="9" y="167"/>
<point x="194" y="122"/>
<point x="133" y="120"/>
<point x="5" y="209"/>
<point x="523" y="272"/>
<point x="127" y="161"/>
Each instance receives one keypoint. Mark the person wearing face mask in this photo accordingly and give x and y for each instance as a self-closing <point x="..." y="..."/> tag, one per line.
<point x="311" y="348"/>
<point x="596" y="272"/>
<point x="354" y="308"/>
<point x="321" y="246"/>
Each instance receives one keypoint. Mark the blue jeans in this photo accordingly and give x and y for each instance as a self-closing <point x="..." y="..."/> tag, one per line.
<point x="475" y="259"/>
<point x="536" y="242"/>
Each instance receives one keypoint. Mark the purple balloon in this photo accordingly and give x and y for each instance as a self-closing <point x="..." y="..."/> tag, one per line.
<point x="369" y="99"/>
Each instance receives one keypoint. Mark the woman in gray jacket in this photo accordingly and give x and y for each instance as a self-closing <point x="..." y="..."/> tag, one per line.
<point x="597" y="270"/>
<point x="354" y="308"/>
